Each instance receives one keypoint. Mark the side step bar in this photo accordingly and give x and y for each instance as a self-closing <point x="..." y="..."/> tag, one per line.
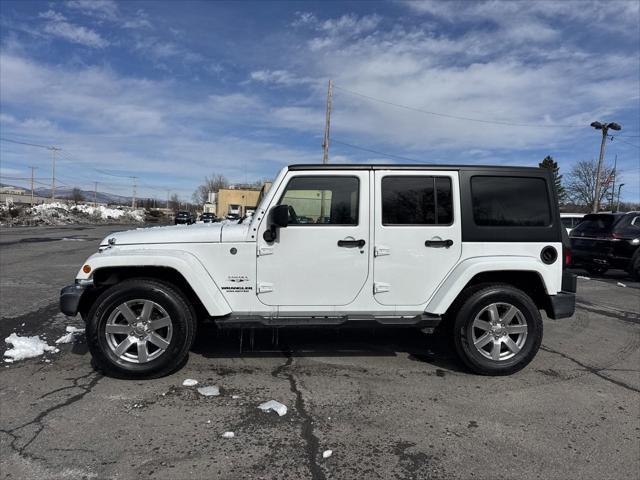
<point x="350" y="321"/>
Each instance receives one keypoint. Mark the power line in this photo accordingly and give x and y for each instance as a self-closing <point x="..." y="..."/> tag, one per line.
<point x="456" y="117"/>
<point x="617" y="137"/>
<point x="390" y="155"/>
<point x="25" y="143"/>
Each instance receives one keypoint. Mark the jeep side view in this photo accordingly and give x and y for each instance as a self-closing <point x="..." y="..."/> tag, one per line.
<point x="478" y="250"/>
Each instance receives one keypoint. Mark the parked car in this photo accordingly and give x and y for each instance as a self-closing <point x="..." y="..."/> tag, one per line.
<point x="475" y="251"/>
<point x="208" y="217"/>
<point x="183" y="217"/>
<point x="607" y="240"/>
<point x="570" y="220"/>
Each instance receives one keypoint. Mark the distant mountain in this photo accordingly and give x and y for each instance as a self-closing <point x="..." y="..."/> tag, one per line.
<point x="65" y="193"/>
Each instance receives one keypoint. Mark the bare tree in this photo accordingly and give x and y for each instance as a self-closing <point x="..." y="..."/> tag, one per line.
<point x="211" y="184"/>
<point x="581" y="185"/>
<point x="76" y="195"/>
<point x="174" y="202"/>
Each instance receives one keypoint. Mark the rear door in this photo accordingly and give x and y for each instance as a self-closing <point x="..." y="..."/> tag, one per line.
<point x="417" y="234"/>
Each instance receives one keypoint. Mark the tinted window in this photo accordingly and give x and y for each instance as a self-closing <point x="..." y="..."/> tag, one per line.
<point x="510" y="201"/>
<point x="594" y="224"/>
<point x="416" y="201"/>
<point x="629" y="225"/>
<point x="328" y="200"/>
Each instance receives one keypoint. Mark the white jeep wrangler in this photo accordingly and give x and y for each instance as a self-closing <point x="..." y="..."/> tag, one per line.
<point x="479" y="249"/>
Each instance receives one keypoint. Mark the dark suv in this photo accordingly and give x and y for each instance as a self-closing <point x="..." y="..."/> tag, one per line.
<point x="183" y="217"/>
<point x="607" y="240"/>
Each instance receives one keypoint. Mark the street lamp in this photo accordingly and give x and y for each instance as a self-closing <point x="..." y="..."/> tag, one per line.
<point x="619" y="188"/>
<point x="605" y="129"/>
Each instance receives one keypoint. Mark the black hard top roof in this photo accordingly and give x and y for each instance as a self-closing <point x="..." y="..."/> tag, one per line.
<point x="403" y="166"/>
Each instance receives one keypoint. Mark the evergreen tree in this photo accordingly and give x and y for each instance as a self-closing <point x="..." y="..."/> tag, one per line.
<point x="552" y="165"/>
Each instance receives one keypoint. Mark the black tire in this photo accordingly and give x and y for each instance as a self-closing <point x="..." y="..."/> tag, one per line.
<point x="471" y="304"/>
<point x="634" y="268"/>
<point x="171" y="299"/>
<point x="596" y="269"/>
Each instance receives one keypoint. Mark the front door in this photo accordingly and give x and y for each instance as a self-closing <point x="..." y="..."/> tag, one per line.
<point x="417" y="234"/>
<point x="322" y="257"/>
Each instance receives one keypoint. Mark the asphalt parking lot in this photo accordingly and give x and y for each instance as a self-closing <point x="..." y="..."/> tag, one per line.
<point x="390" y="405"/>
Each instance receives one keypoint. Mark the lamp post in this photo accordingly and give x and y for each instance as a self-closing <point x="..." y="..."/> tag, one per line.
<point x="619" y="188"/>
<point x="605" y="129"/>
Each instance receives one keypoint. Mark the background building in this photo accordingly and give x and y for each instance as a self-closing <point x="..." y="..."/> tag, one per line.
<point x="235" y="201"/>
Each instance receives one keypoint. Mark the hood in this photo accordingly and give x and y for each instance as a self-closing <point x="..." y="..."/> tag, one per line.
<point x="196" y="233"/>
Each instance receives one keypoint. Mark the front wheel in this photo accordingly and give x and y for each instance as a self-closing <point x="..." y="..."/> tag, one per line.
<point x="140" y="328"/>
<point x="497" y="330"/>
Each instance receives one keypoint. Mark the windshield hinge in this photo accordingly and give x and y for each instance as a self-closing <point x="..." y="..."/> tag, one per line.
<point x="264" y="287"/>
<point x="379" y="287"/>
<point x="262" y="251"/>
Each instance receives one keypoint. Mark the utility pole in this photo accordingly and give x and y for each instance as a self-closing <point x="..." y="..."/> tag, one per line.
<point x="54" y="151"/>
<point x="95" y="194"/>
<point x="32" y="169"/>
<point x="133" y="198"/>
<point x="619" y="188"/>
<point x="605" y="129"/>
<point x="613" y="187"/>
<point x="327" y="125"/>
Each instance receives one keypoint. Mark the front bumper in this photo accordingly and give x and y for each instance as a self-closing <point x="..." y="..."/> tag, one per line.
<point x="70" y="297"/>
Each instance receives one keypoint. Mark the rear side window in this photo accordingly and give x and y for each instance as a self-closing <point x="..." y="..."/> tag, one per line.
<point x="416" y="200"/>
<point x="325" y="200"/>
<point x="510" y="201"/>
<point x="595" y="224"/>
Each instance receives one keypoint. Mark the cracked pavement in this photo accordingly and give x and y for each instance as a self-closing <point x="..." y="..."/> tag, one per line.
<point x="390" y="404"/>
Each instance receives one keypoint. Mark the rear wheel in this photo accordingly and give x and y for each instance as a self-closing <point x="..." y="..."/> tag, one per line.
<point x="140" y="328"/>
<point x="497" y="330"/>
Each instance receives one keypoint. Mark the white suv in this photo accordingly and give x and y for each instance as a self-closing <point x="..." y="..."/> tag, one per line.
<point x="476" y="249"/>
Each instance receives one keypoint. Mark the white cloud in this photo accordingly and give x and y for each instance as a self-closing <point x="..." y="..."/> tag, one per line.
<point x="57" y="25"/>
<point x="106" y="9"/>
<point x="278" y="77"/>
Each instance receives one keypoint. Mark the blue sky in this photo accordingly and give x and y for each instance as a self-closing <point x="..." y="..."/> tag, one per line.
<point x="173" y="91"/>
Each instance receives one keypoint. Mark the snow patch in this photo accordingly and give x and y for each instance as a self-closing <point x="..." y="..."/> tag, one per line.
<point x="327" y="453"/>
<point x="228" y="435"/>
<point x="26" y="347"/>
<point x="584" y="278"/>
<point x="277" y="407"/>
<point x="211" y="391"/>
<point x="189" y="382"/>
<point x="71" y="333"/>
<point x="620" y="284"/>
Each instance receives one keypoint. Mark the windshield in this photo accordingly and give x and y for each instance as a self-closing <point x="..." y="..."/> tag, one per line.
<point x="594" y="225"/>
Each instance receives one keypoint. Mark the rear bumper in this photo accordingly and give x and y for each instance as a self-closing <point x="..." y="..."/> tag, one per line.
<point x="70" y="297"/>
<point x="563" y="304"/>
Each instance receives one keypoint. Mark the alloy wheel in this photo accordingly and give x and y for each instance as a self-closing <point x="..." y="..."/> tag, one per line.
<point x="499" y="331"/>
<point x="138" y="331"/>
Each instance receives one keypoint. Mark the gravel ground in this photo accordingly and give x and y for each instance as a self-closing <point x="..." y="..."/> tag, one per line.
<point x="389" y="404"/>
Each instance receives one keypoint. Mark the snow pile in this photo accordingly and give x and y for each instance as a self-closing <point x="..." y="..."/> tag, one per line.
<point x="59" y="213"/>
<point x="70" y="335"/>
<point x="211" y="391"/>
<point x="26" y="347"/>
<point x="189" y="382"/>
<point x="277" y="407"/>
<point x="228" y="435"/>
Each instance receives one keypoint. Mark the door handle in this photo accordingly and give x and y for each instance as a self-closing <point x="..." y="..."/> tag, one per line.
<point x="351" y="243"/>
<point x="438" y="243"/>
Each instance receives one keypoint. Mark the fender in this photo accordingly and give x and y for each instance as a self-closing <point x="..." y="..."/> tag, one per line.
<point x="183" y="262"/>
<point x="464" y="271"/>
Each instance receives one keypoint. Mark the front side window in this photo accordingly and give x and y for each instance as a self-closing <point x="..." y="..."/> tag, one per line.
<point x="324" y="200"/>
<point x="416" y="200"/>
<point x="510" y="201"/>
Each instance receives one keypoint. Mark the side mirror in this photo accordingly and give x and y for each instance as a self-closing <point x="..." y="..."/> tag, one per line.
<point x="279" y="218"/>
